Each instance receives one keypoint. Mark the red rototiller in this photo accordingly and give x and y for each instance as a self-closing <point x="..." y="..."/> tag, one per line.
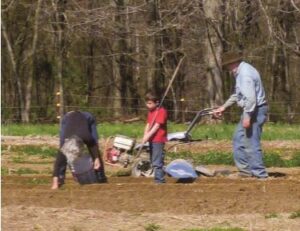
<point x="125" y="152"/>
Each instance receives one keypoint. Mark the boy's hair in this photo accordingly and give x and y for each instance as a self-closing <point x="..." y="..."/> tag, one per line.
<point x="151" y="96"/>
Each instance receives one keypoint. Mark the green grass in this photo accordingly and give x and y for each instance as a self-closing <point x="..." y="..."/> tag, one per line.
<point x="225" y="158"/>
<point x="25" y="171"/>
<point x="22" y="160"/>
<point x="120" y="173"/>
<point x="295" y="215"/>
<point x="30" y="129"/>
<point x="135" y="130"/>
<point x="271" y="215"/>
<point x="30" y="150"/>
<point x="214" y="229"/>
<point x="281" y="131"/>
<point x="203" y="158"/>
<point x="18" y="159"/>
<point x="37" y="227"/>
<point x="75" y="228"/>
<point x="4" y="171"/>
<point x="152" y="227"/>
<point x="271" y="158"/>
<point x="37" y="181"/>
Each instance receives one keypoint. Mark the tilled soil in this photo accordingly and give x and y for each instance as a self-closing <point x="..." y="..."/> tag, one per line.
<point x="127" y="203"/>
<point x="205" y="196"/>
<point x="132" y="203"/>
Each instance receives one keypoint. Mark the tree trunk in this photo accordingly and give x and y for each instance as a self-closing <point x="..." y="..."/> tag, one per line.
<point x="118" y="60"/>
<point x="154" y="59"/>
<point x="59" y="28"/>
<point x="133" y="91"/>
<point x="117" y="103"/>
<point x="17" y="80"/>
<point x="137" y="75"/>
<point x="274" y="71"/>
<point x="28" y="92"/>
<point x="92" y="48"/>
<point x="90" y="71"/>
<point x="214" y="51"/>
<point x="175" y="106"/>
<point x="59" y="63"/>
<point x="287" y="86"/>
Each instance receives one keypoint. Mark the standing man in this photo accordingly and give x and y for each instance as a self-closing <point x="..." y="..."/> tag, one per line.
<point x="249" y="94"/>
<point x="82" y="125"/>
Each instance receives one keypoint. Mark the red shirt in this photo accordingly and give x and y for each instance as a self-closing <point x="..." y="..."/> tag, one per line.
<point x="158" y="115"/>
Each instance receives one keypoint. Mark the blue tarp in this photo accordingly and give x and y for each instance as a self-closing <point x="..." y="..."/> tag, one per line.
<point x="181" y="169"/>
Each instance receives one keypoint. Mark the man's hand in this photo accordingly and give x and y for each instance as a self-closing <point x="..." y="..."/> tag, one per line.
<point x="97" y="164"/>
<point x="218" y="112"/>
<point x="246" y="122"/>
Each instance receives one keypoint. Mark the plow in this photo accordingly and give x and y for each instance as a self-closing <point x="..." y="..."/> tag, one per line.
<point x="127" y="153"/>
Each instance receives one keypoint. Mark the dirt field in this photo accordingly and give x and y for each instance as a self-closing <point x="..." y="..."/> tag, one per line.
<point x="127" y="203"/>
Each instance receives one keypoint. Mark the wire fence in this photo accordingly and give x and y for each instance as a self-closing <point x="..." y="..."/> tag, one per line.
<point x="278" y="112"/>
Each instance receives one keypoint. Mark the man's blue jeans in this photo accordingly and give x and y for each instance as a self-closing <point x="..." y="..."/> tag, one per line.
<point x="157" y="157"/>
<point x="247" y="151"/>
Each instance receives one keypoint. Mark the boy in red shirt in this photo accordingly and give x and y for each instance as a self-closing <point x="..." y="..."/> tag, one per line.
<point x="156" y="134"/>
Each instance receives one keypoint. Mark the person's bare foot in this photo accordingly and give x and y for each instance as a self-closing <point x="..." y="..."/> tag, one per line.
<point x="55" y="184"/>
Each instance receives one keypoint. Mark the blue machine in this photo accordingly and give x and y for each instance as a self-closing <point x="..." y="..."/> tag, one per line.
<point x="181" y="169"/>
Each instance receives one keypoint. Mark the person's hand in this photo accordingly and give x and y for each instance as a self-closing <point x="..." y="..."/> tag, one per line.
<point x="246" y="122"/>
<point x="97" y="164"/>
<point x="144" y="140"/>
<point x="55" y="184"/>
<point x="218" y="112"/>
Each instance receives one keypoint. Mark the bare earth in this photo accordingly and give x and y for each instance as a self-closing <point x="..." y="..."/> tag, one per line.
<point x="127" y="203"/>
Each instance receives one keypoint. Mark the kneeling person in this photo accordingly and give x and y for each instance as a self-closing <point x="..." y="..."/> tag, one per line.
<point x="77" y="129"/>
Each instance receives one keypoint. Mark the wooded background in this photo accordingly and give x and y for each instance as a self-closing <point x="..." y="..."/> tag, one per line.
<point x="103" y="55"/>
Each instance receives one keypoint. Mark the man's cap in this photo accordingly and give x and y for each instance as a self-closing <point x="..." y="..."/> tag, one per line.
<point x="230" y="57"/>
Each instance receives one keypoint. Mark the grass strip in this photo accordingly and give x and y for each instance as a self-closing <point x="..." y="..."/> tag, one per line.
<point x="271" y="159"/>
<point x="135" y="130"/>
<point x="214" y="229"/>
<point x="295" y="215"/>
<point x="30" y="150"/>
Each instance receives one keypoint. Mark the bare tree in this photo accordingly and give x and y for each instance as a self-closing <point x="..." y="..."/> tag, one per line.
<point x="59" y="24"/>
<point x="104" y="55"/>
<point x="24" y="88"/>
<point x="213" y="17"/>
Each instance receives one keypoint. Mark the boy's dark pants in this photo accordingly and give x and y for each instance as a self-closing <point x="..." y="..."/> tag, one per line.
<point x="157" y="157"/>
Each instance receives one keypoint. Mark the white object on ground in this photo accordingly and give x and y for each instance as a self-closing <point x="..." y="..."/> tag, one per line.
<point x="204" y="171"/>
